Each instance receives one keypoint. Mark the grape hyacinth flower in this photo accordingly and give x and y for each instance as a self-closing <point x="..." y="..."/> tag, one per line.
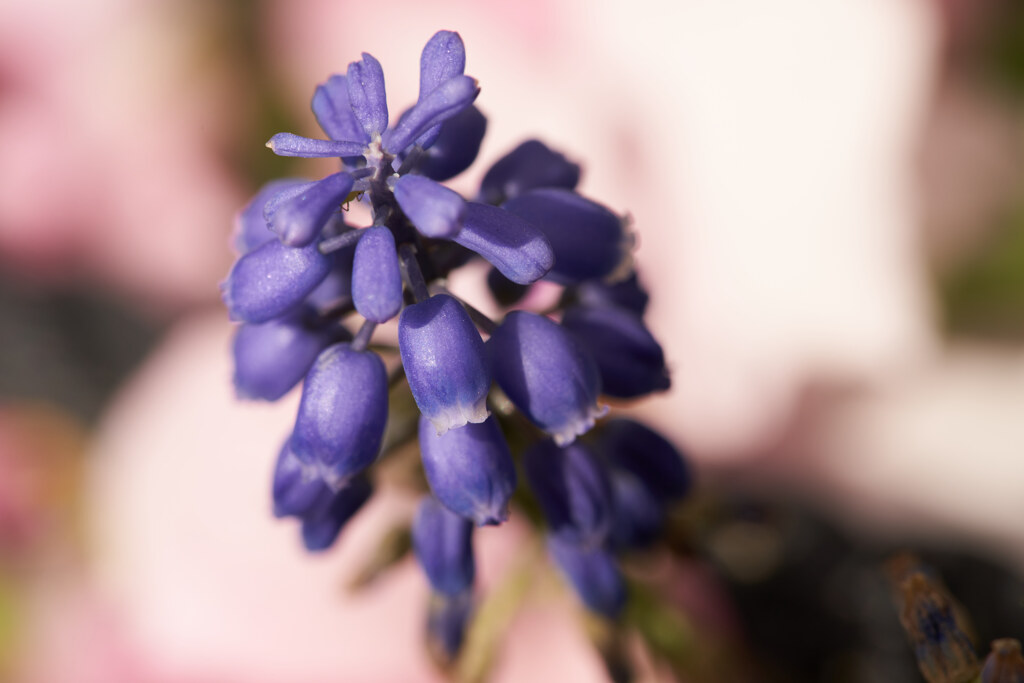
<point x="311" y="289"/>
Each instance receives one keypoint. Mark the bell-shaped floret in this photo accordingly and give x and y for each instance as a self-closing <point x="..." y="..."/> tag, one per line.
<point x="298" y="487"/>
<point x="637" y="515"/>
<point x="573" y="490"/>
<point x="589" y="241"/>
<point x="443" y="58"/>
<point x="447" y="618"/>
<point x="469" y="469"/>
<point x="530" y="165"/>
<point x="443" y="542"/>
<point x="444" y="361"/>
<point x="342" y="414"/>
<point x="442" y="103"/>
<point x="593" y="575"/>
<point x="630" y="359"/>
<point x="1005" y="663"/>
<point x="634" y="447"/>
<point x="272" y="357"/>
<point x="298" y="219"/>
<point x="546" y="375"/>
<point x="334" y="113"/>
<point x="456" y="146"/>
<point x="627" y="294"/>
<point x="435" y="210"/>
<point x="322" y="524"/>
<point x="366" y="95"/>
<point x="376" y="279"/>
<point x="272" y="280"/>
<point x="251" y="229"/>
<point x="513" y="246"/>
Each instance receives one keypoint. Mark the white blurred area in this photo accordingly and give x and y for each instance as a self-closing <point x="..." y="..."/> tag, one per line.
<point x="768" y="152"/>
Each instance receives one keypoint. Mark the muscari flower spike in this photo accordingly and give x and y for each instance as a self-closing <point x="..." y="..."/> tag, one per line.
<point x="304" y="273"/>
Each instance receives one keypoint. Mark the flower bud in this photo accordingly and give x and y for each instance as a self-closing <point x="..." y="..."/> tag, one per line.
<point x="444" y="362"/>
<point x="322" y="524"/>
<point x="628" y="356"/>
<point x="342" y="414"/>
<point x="251" y="229"/>
<point x="436" y="107"/>
<point x="447" y="619"/>
<point x="366" y="95"/>
<point x="297" y="487"/>
<point x="456" y="146"/>
<point x="593" y="575"/>
<point x="588" y="240"/>
<point x="376" y="279"/>
<point x="509" y="243"/>
<point x="637" y="515"/>
<point x="272" y="280"/>
<point x="272" y="357"/>
<point x="334" y="113"/>
<point x="627" y="294"/>
<point x="469" y="469"/>
<point x="443" y="58"/>
<point x="298" y="219"/>
<point x="636" y="448"/>
<point x="546" y="375"/>
<point x="443" y="542"/>
<point x="435" y="210"/>
<point x="530" y="165"/>
<point x="573" y="490"/>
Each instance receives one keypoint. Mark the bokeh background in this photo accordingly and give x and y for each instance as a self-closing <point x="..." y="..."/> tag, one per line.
<point x="828" y="201"/>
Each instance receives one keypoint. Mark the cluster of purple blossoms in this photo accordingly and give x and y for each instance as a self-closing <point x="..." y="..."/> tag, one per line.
<point x="304" y="272"/>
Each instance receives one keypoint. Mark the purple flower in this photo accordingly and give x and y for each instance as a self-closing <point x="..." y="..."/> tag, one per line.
<point x="469" y="469"/>
<point x="637" y="514"/>
<point x="627" y="294"/>
<point x="589" y="241"/>
<point x="636" y="448"/>
<point x="444" y="361"/>
<point x="251" y="229"/>
<point x="513" y="246"/>
<point x="366" y="95"/>
<point x="546" y="375"/>
<point x="298" y="487"/>
<point x="299" y="217"/>
<point x="333" y="111"/>
<point x="376" y="279"/>
<point x="527" y="167"/>
<point x="629" y="358"/>
<point x="322" y="524"/>
<point x="272" y="280"/>
<point x="456" y="146"/>
<point x="443" y="542"/>
<point x="272" y="357"/>
<point x="435" y="210"/>
<point x="342" y="414"/>
<point x="443" y="58"/>
<point x="593" y="575"/>
<point x="573" y="490"/>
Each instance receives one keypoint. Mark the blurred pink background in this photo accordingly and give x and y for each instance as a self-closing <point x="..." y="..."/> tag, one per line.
<point x="800" y="173"/>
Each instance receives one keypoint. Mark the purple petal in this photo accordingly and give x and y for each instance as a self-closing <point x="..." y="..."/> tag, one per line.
<point x="297" y="487"/>
<point x="546" y="375"/>
<point x="443" y="542"/>
<point x="517" y="249"/>
<point x="298" y="220"/>
<point x="272" y="280"/>
<point x="444" y="57"/>
<point x="443" y="102"/>
<point x="322" y="524"/>
<point x="273" y="357"/>
<point x="447" y="619"/>
<point x="376" y="279"/>
<point x="291" y="145"/>
<point x="334" y="113"/>
<point x="444" y="361"/>
<point x="341" y="417"/>
<point x="251" y="229"/>
<point x="634" y="447"/>
<point x="469" y="469"/>
<point x="435" y="210"/>
<point x="366" y="95"/>
<point x="589" y="241"/>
